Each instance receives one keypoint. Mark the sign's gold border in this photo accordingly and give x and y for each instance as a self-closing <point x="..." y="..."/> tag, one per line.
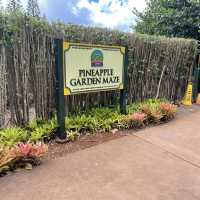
<point x="66" y="47"/>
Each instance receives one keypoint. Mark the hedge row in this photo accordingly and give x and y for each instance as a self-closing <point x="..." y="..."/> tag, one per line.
<point x="158" y="66"/>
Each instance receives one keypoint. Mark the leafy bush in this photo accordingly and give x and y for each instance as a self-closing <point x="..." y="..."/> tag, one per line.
<point x="23" y="155"/>
<point x="6" y="156"/>
<point x="11" y="136"/>
<point x="42" y="130"/>
<point x="16" y="150"/>
<point x="96" y="119"/>
<point x="156" y="111"/>
<point x="105" y="119"/>
<point x="81" y="123"/>
<point x="29" y="150"/>
<point x="153" y="113"/>
<point x="37" y="130"/>
<point x="168" y="111"/>
<point x="71" y="136"/>
<point x="20" y="148"/>
<point x="135" y="107"/>
<point x="93" y="120"/>
<point x="151" y="108"/>
<point x="35" y="124"/>
<point x="135" y="120"/>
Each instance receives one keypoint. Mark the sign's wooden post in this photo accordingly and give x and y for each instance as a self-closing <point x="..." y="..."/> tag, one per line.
<point x="125" y="81"/>
<point x="84" y="68"/>
<point x="60" y="101"/>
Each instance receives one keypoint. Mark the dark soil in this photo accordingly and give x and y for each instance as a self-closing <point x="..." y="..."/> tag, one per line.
<point x="58" y="150"/>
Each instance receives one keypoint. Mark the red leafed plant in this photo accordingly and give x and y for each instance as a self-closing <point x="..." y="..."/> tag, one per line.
<point x="30" y="150"/>
<point x="137" y="119"/>
<point x="153" y="113"/>
<point x="24" y="148"/>
<point x="168" y="111"/>
<point x="140" y="117"/>
<point x="38" y="150"/>
<point x="21" y="155"/>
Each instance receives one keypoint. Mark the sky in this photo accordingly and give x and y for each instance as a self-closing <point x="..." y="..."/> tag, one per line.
<point x="114" y="14"/>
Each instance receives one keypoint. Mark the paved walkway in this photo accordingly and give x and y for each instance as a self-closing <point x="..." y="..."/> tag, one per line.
<point x="158" y="163"/>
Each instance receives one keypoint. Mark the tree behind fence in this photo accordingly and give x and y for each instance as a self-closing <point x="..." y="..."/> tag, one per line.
<point x="157" y="67"/>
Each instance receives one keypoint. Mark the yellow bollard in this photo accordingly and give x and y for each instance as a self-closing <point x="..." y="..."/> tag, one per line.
<point x="187" y="100"/>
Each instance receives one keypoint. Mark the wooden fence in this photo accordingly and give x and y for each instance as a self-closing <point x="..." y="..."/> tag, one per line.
<point x="158" y="67"/>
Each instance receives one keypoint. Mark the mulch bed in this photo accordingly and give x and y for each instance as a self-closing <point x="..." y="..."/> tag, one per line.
<point x="59" y="150"/>
<point x="86" y="141"/>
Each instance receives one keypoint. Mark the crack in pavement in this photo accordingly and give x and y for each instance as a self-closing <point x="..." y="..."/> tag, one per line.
<point x="184" y="155"/>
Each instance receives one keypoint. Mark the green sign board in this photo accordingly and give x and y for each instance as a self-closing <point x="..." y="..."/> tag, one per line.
<point x="92" y="68"/>
<point x="84" y="68"/>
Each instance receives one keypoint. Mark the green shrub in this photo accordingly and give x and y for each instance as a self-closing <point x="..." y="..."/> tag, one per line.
<point x="35" y="124"/>
<point x="37" y="130"/>
<point x="90" y="121"/>
<point x="106" y="118"/>
<point x="42" y="130"/>
<point x="81" y="123"/>
<point x="71" y="136"/>
<point x="13" y="135"/>
<point x="135" y="107"/>
<point x="96" y="119"/>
